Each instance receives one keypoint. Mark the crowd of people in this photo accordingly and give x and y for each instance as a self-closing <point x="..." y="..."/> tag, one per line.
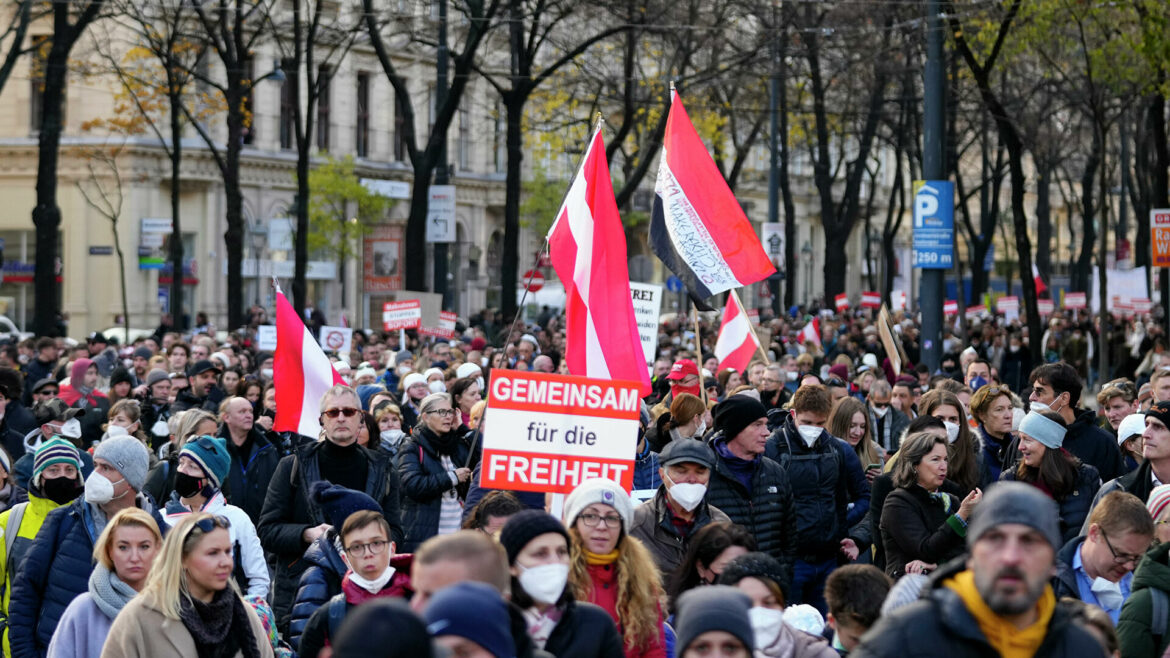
<point x="834" y="497"/>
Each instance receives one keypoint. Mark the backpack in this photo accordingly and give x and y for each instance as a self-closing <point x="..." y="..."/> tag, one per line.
<point x="336" y="613"/>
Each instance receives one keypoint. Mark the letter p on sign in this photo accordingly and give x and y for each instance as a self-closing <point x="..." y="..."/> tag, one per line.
<point x="1160" y="237"/>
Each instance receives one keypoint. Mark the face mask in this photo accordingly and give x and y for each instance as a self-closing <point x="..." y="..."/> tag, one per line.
<point x="392" y="437"/>
<point x="701" y="429"/>
<point x="676" y="389"/>
<point x="266" y="373"/>
<point x="437" y="386"/>
<point x="687" y="495"/>
<point x="60" y="490"/>
<point x="1013" y="348"/>
<point x="809" y="434"/>
<point x="372" y="586"/>
<point x="23" y="358"/>
<point x="880" y="412"/>
<point x="978" y="382"/>
<point x="1036" y="405"/>
<point x="791" y="376"/>
<point x="71" y="428"/>
<point x="128" y="363"/>
<point x="766" y="625"/>
<point x="403" y="370"/>
<point x="99" y="490"/>
<point x="545" y="583"/>
<point x="187" y="486"/>
<point x="483" y="361"/>
<point x="952" y="432"/>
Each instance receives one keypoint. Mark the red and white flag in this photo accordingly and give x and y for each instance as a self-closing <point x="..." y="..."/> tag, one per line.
<point x="301" y="371"/>
<point x="842" y="302"/>
<point x="950" y="307"/>
<point x="697" y="227"/>
<point x="587" y="246"/>
<point x="1038" y="280"/>
<point x="871" y="299"/>
<point x="737" y="342"/>
<point x="811" y="332"/>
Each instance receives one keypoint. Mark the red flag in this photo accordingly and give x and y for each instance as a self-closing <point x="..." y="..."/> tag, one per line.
<point x="1038" y="280"/>
<point x="587" y="246"/>
<point x="697" y="226"/>
<point x="871" y="299"/>
<point x="737" y="342"/>
<point x="811" y="332"/>
<point x="842" y="302"/>
<point x="301" y="371"/>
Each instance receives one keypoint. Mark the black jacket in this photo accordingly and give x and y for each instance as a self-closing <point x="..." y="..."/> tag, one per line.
<point x="915" y="527"/>
<point x="187" y="400"/>
<point x="424" y="481"/>
<point x="883" y="485"/>
<point x="288" y="512"/>
<point x="247" y="483"/>
<point x="584" y="631"/>
<point x="652" y="524"/>
<point x="20" y="419"/>
<point x="822" y="486"/>
<point x="940" y="625"/>
<point x="766" y="509"/>
<point x="1074" y="508"/>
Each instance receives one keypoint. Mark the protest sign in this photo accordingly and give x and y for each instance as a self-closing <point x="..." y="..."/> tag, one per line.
<point x="549" y="433"/>
<point x="446" y="328"/>
<point x="401" y="315"/>
<point x="266" y="337"/>
<point x="647" y="300"/>
<point x="336" y="339"/>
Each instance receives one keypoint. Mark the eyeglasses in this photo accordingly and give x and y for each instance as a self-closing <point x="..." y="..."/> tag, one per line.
<point x="348" y="412"/>
<point x="835" y="383"/>
<point x="48" y="393"/>
<point x="209" y="523"/>
<point x="1122" y="559"/>
<point x="374" y="548"/>
<point x="446" y="413"/>
<point x="591" y="520"/>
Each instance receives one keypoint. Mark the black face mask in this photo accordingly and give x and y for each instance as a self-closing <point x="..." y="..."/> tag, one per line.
<point x="188" y="486"/>
<point x="61" y="490"/>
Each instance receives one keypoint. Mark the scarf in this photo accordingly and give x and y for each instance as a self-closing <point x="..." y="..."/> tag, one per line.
<point x="108" y="592"/>
<point x="541" y="626"/>
<point x="220" y="628"/>
<point x="1008" y="641"/>
<point x="445" y="444"/>
<point x="600" y="559"/>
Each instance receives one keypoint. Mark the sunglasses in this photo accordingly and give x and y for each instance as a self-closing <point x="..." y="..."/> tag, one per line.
<point x="348" y="412"/>
<point x="209" y="523"/>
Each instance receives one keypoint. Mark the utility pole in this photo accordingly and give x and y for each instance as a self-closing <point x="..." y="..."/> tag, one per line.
<point x="931" y="290"/>
<point x="774" y="168"/>
<point x="442" y="174"/>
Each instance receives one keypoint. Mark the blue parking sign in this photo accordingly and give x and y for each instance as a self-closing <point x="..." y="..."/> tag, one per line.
<point x="934" y="224"/>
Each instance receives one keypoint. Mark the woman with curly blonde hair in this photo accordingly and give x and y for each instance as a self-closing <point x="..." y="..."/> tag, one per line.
<point x="611" y="569"/>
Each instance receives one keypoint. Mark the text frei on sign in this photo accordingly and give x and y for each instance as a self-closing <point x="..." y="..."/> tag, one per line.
<point x="549" y="433"/>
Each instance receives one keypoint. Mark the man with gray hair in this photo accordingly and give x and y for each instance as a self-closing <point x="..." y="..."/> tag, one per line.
<point x="290" y="521"/>
<point x="885" y="421"/>
<point x="997" y="600"/>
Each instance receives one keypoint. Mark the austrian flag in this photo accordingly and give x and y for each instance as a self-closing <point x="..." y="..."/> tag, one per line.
<point x="301" y="371"/>
<point x="697" y="227"/>
<point x="737" y="342"/>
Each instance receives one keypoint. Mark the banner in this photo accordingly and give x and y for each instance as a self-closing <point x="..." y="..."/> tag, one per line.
<point x="549" y="433"/>
<point x="401" y="315"/>
<point x="842" y="302"/>
<point x="446" y="328"/>
<point x="951" y="307"/>
<point x="1075" y="300"/>
<point x="1044" y="306"/>
<point x="871" y="299"/>
<point x="647" y="299"/>
<point x="336" y="339"/>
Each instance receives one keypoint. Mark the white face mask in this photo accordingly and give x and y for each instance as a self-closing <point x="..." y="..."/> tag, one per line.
<point x="1014" y="348"/>
<point x="71" y="428"/>
<point x="544" y="583"/>
<point x="687" y="495"/>
<point x="403" y="370"/>
<point x="437" y="386"/>
<point x="880" y="412"/>
<point x="702" y="428"/>
<point x="952" y="432"/>
<point x="392" y="437"/>
<point x="266" y="373"/>
<point x="809" y="434"/>
<point x="372" y="586"/>
<point x="766" y="625"/>
<point x="98" y="489"/>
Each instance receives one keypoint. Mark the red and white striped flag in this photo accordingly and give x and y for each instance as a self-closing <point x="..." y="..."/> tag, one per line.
<point x="842" y="302"/>
<point x="950" y="307"/>
<point x="871" y="299"/>
<point x="587" y="246"/>
<point x="1041" y="288"/>
<point x="737" y="342"/>
<point x="301" y="371"/>
<point x="811" y="332"/>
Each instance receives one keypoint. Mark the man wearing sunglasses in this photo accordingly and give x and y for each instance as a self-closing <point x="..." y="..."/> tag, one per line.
<point x="290" y="521"/>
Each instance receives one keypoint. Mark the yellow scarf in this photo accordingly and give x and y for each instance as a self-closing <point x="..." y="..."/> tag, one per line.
<point x="598" y="559"/>
<point x="1008" y="640"/>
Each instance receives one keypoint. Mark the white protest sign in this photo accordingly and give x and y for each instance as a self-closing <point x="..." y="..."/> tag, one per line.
<point x="549" y="433"/>
<point x="401" y="315"/>
<point x="647" y="300"/>
<point x="446" y="328"/>
<point x="336" y="339"/>
<point x="266" y="337"/>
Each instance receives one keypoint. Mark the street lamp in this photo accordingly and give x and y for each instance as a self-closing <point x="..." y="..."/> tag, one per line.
<point x="806" y="252"/>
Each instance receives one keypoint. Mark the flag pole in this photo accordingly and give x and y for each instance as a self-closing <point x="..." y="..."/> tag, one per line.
<point x="699" y="355"/>
<point x="759" y="343"/>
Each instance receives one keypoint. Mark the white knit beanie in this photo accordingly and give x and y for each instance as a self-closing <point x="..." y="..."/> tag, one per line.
<point x="599" y="490"/>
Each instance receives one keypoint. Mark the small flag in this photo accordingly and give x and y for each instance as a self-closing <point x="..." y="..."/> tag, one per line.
<point x="811" y="332"/>
<point x="898" y="300"/>
<point x="950" y="307"/>
<point x="842" y="302"/>
<point x="737" y="342"/>
<point x="871" y="299"/>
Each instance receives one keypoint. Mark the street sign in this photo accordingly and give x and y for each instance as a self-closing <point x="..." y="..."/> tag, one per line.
<point x="934" y="224"/>
<point x="674" y="284"/>
<point x="441" y="214"/>
<point x="533" y="280"/>
<point x="1160" y="237"/>
<point x="391" y="189"/>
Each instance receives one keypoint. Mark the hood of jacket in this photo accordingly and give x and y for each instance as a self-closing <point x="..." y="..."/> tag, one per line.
<point x="77" y="372"/>
<point x="1154" y="569"/>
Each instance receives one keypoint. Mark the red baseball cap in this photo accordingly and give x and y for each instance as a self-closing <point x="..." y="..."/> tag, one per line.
<point x="682" y="368"/>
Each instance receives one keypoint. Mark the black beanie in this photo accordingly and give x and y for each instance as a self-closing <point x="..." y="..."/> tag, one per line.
<point x="120" y="375"/>
<point x="714" y="608"/>
<point x="755" y="565"/>
<point x="337" y="503"/>
<point x="737" y="412"/>
<point x="525" y="526"/>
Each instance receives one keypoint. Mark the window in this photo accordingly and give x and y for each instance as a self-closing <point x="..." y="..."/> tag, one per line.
<point x="324" y="78"/>
<point x="362" y="138"/>
<point x="463" y="145"/>
<point x="288" y="99"/>
<point x="399" y="128"/>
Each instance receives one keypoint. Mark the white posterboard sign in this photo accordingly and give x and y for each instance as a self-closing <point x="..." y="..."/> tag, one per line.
<point x="336" y="339"/>
<point x="266" y="337"/>
<point x="647" y="299"/>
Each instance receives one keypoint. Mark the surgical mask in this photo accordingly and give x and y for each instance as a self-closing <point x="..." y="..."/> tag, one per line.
<point x="392" y="437"/>
<point x="128" y="363"/>
<point x="880" y="412"/>
<point x="701" y="429"/>
<point x="99" y="490"/>
<point x="437" y="386"/>
<point x="544" y="583"/>
<point x="687" y="495"/>
<point x="403" y="370"/>
<point x="766" y="625"/>
<point x="266" y="373"/>
<point x="809" y="434"/>
<point x="71" y="428"/>
<point x="952" y="431"/>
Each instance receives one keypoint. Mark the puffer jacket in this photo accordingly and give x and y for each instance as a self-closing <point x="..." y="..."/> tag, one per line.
<point x="766" y="508"/>
<point x="55" y="570"/>
<point x="288" y="512"/>
<point x="30" y="523"/>
<point x="823" y="486"/>
<point x="424" y="481"/>
<point x="1134" y="627"/>
<point x="940" y="625"/>
<point x="1064" y="580"/>
<point x="646" y="470"/>
<point x="1074" y="508"/>
<point x="652" y="524"/>
<point x="247" y="483"/>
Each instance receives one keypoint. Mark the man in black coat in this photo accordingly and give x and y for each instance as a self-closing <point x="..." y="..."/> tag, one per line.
<point x="42" y="366"/>
<point x="254" y="458"/>
<point x="290" y="521"/>
<point x="1002" y="587"/>
<point x="749" y="488"/>
<point x="201" y="391"/>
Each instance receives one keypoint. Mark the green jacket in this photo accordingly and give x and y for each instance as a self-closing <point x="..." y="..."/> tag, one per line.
<point x="1133" y="628"/>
